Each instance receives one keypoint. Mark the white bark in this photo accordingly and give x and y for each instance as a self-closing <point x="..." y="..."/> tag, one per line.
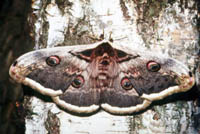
<point x="74" y="22"/>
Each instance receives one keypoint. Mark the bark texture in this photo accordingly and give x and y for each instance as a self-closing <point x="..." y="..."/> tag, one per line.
<point x="14" y="41"/>
<point x="166" y="26"/>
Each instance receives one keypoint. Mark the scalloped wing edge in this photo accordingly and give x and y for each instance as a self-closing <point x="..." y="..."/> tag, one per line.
<point x="126" y="110"/>
<point x="73" y="108"/>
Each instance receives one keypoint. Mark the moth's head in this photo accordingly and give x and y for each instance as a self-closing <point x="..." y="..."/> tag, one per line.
<point x="103" y="61"/>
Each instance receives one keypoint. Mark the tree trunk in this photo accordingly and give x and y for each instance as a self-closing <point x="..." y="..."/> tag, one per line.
<point x="167" y="27"/>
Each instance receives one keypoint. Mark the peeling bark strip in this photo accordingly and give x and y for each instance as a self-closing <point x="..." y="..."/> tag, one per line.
<point x="170" y="32"/>
<point x="124" y="9"/>
<point x="52" y="123"/>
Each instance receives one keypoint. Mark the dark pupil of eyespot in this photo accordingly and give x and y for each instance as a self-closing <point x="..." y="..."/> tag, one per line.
<point x="154" y="67"/>
<point x="52" y="61"/>
<point x="127" y="84"/>
<point x="77" y="82"/>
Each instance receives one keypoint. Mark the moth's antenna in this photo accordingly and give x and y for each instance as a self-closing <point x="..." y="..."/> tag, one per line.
<point x="110" y="38"/>
<point x="101" y="37"/>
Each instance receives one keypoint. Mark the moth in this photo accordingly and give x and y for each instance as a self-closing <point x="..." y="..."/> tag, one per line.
<point x="85" y="78"/>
